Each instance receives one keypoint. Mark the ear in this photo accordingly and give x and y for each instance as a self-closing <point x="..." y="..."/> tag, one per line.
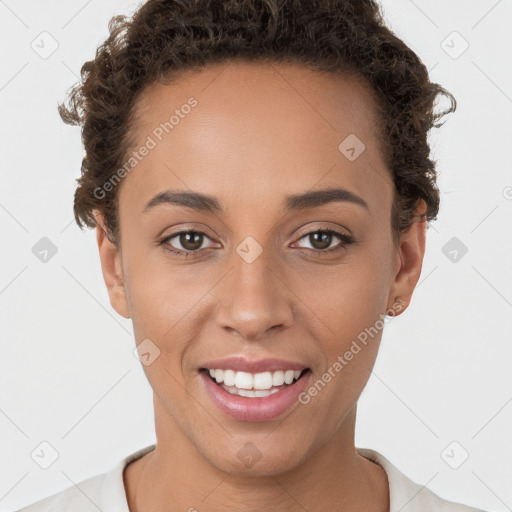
<point x="111" y="268"/>
<point x="409" y="260"/>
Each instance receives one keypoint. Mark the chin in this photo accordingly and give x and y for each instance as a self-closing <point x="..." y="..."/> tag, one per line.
<point x="253" y="458"/>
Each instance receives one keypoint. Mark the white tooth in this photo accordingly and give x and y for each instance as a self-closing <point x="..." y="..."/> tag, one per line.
<point x="288" y="376"/>
<point x="246" y="392"/>
<point x="250" y="393"/>
<point x="263" y="380"/>
<point x="278" y="378"/>
<point x="243" y="380"/>
<point x="262" y="392"/>
<point x="259" y="381"/>
<point x="229" y="377"/>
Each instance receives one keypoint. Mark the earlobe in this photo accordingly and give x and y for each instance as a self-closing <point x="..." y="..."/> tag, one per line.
<point x="111" y="268"/>
<point x="411" y="251"/>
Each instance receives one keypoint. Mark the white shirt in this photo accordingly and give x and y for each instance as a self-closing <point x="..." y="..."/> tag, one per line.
<point x="106" y="492"/>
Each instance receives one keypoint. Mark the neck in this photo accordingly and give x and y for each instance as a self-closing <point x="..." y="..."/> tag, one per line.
<point x="176" y="477"/>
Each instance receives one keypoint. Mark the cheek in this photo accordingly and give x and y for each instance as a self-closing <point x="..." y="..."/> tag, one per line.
<point x="155" y="301"/>
<point x="167" y="304"/>
<point x="348" y="310"/>
<point x="346" y="298"/>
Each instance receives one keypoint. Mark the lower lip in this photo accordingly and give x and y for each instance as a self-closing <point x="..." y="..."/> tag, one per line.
<point x="258" y="408"/>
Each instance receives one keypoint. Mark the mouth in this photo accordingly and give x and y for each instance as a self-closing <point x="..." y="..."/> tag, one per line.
<point x="254" y="396"/>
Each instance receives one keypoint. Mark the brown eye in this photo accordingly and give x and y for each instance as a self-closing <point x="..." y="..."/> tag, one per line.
<point x="185" y="242"/>
<point x="190" y="240"/>
<point x="321" y="240"/>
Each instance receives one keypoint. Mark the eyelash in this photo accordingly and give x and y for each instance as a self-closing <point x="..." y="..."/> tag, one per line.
<point x="346" y="239"/>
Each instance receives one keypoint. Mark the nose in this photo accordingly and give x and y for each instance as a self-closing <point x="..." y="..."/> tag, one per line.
<point x="256" y="300"/>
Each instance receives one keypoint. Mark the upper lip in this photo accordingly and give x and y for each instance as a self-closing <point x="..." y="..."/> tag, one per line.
<point x="242" y="364"/>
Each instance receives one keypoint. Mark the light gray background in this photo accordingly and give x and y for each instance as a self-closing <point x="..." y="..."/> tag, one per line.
<point x="68" y="375"/>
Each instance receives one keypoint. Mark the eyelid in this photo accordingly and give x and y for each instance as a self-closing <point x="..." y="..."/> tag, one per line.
<point x="325" y="227"/>
<point x="166" y="238"/>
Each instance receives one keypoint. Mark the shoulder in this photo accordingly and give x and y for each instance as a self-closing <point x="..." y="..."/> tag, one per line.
<point x="82" y="497"/>
<point x="427" y="499"/>
<point x="408" y="496"/>
<point x="101" y="492"/>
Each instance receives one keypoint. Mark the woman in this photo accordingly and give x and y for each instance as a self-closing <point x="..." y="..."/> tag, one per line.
<point x="259" y="179"/>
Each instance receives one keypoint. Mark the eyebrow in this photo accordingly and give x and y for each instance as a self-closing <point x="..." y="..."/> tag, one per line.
<point x="210" y="204"/>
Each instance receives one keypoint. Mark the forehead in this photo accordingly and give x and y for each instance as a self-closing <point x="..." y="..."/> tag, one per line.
<point x="260" y="128"/>
<point x="261" y="92"/>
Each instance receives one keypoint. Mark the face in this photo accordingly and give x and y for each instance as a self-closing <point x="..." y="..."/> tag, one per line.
<point x="259" y="275"/>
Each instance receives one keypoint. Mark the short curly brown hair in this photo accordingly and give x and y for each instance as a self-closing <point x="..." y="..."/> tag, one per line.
<point x="163" y="37"/>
